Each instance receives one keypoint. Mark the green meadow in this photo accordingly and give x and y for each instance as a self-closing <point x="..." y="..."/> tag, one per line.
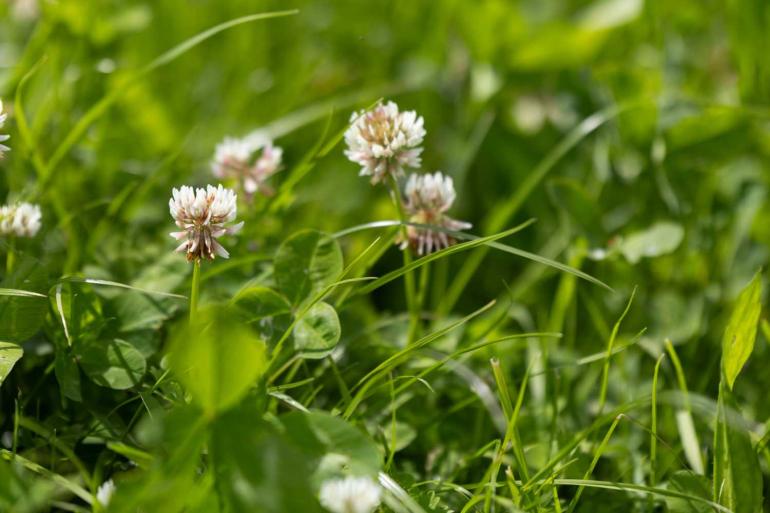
<point x="345" y="256"/>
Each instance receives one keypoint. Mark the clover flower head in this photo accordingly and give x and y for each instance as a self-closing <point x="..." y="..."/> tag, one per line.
<point x="234" y="159"/>
<point x="3" y="137"/>
<point x="350" y="495"/>
<point x="383" y="141"/>
<point x="20" y="219"/>
<point x="230" y="157"/>
<point x="428" y="197"/>
<point x="203" y="215"/>
<point x="104" y="492"/>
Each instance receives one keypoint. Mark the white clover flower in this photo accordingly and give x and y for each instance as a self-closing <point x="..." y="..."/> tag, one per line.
<point x="203" y="214"/>
<point x="231" y="156"/>
<point x="428" y="197"/>
<point x="384" y="141"/>
<point x="20" y="219"/>
<point x="233" y="160"/>
<point x="268" y="163"/>
<point x="350" y="495"/>
<point x="104" y="492"/>
<point x="3" y="137"/>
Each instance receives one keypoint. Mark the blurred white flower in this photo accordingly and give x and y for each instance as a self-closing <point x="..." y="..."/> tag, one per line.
<point x="3" y="138"/>
<point x="350" y="495"/>
<point x="20" y="219"/>
<point x="203" y="214"/>
<point x="104" y="492"/>
<point x="231" y="156"/>
<point x="428" y="197"/>
<point x="26" y="10"/>
<point x="233" y="159"/>
<point x="384" y="141"/>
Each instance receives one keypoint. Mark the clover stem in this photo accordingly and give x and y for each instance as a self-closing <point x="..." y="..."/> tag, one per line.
<point x="10" y="258"/>
<point x="409" y="287"/>
<point x="195" y="290"/>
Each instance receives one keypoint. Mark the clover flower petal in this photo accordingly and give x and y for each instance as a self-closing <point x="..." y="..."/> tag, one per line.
<point x="20" y="219"/>
<point x="350" y="495"/>
<point x="383" y="141"/>
<point x="234" y="160"/>
<point x="428" y="197"/>
<point x="203" y="215"/>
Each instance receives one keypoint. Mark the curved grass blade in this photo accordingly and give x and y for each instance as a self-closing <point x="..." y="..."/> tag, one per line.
<point x="626" y="487"/>
<point x="108" y="283"/>
<point x="21" y="120"/>
<point x="379" y="282"/>
<point x="21" y="293"/>
<point x="489" y="241"/>
<point x="60" y="480"/>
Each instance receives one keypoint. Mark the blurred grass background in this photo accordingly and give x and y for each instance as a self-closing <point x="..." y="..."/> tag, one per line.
<point x="501" y="84"/>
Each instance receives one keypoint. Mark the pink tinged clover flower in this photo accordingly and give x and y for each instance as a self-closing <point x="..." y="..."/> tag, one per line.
<point x="20" y="220"/>
<point x="3" y="137"/>
<point x="383" y="141"/>
<point x="234" y="160"/>
<point x="203" y="215"/>
<point x="428" y="197"/>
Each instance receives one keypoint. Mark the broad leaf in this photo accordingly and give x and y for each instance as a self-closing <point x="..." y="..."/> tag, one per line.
<point x="317" y="332"/>
<point x="659" y="239"/>
<point x="257" y="303"/>
<point x="305" y="263"/>
<point x="338" y="445"/>
<point x="217" y="358"/>
<point x="21" y="316"/>
<point x="67" y="374"/>
<point x="112" y="363"/>
<point x="259" y="469"/>
<point x="9" y="354"/>
<point x="741" y="330"/>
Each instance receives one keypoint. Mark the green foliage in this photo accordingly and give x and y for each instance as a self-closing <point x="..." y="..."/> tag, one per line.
<point x="112" y="363"/>
<point x="216" y="358"/>
<point x="306" y="263"/>
<point x="252" y="456"/>
<point x="338" y="447"/>
<point x="598" y="147"/>
<point x="10" y="353"/>
<point x="317" y="332"/>
<point x="741" y="330"/>
<point x="21" y="316"/>
<point x="737" y="475"/>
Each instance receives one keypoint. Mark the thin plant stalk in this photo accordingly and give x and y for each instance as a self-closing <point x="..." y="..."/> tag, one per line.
<point x="10" y="258"/>
<point x="422" y="292"/>
<point x="195" y="289"/>
<point x="409" y="288"/>
<point x="654" y="427"/>
<point x="599" y="451"/>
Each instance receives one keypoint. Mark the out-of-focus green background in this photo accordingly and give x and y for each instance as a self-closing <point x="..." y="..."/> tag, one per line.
<point x="636" y="132"/>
